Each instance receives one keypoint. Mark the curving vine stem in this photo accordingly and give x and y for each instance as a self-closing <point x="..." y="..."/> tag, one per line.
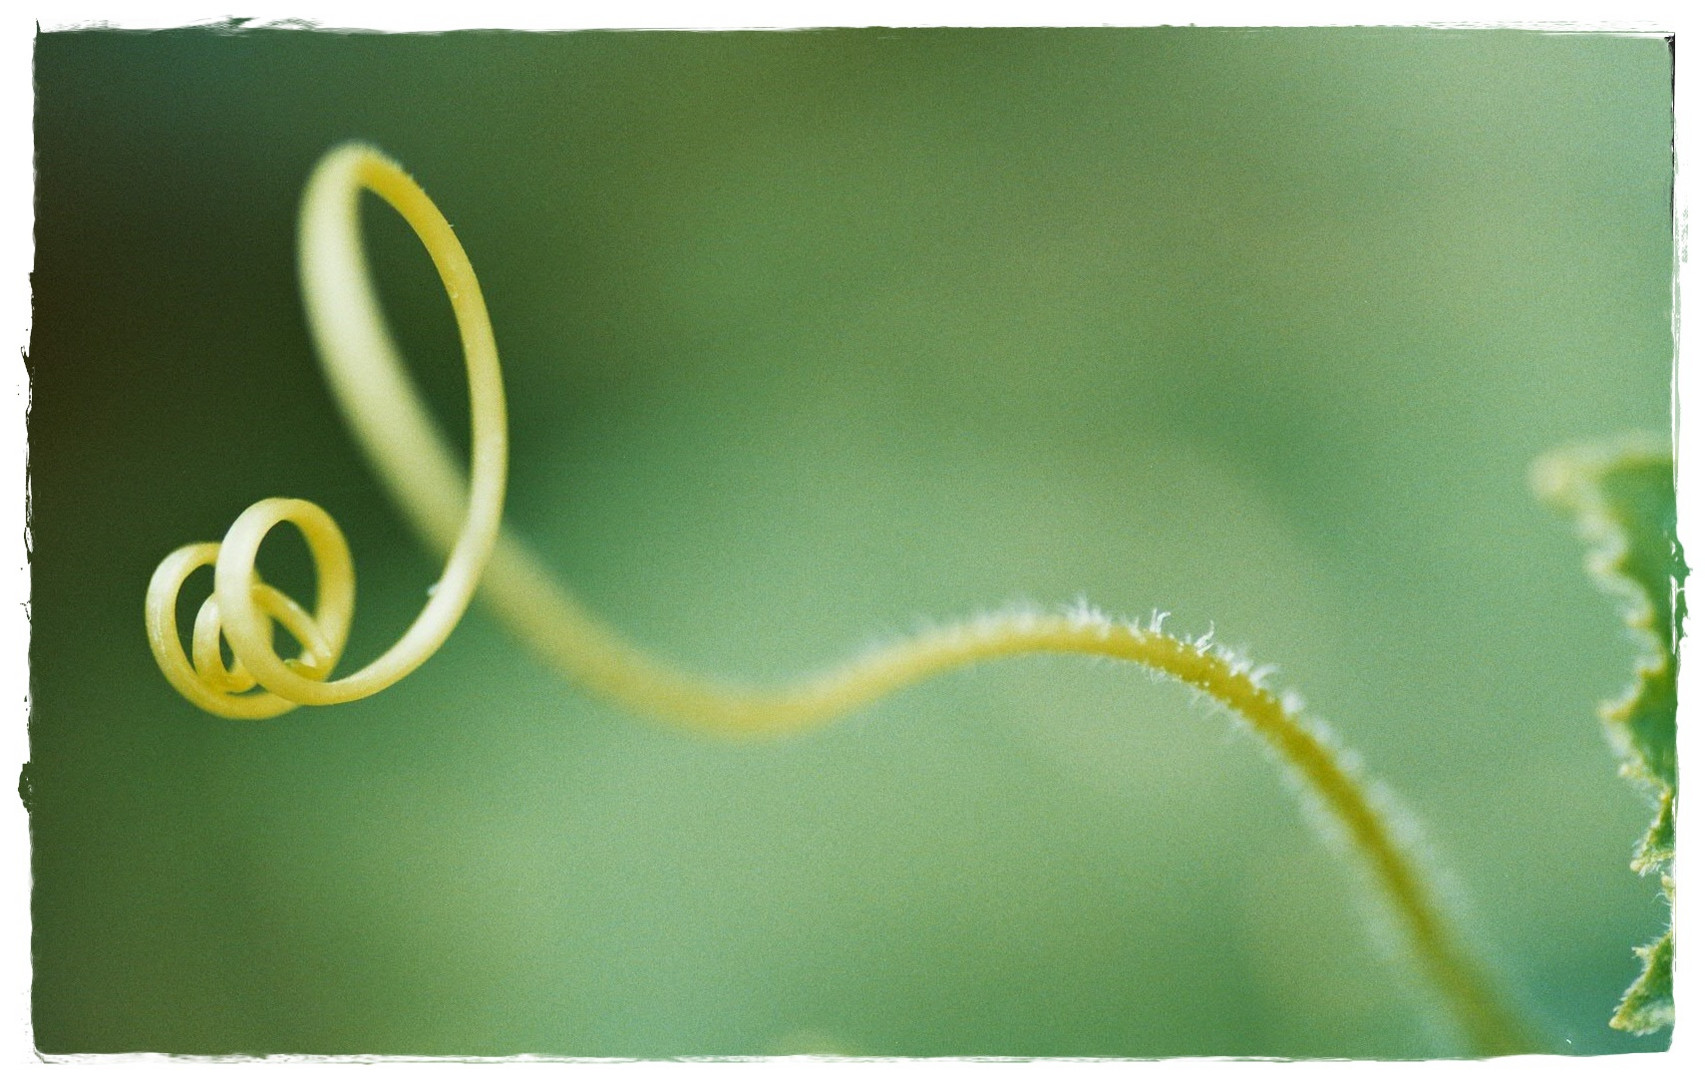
<point x="464" y="519"/>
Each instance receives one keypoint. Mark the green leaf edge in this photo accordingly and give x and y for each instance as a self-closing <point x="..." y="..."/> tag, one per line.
<point x="1622" y="496"/>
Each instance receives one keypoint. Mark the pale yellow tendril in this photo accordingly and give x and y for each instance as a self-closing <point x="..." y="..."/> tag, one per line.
<point x="415" y="462"/>
<point x="363" y="366"/>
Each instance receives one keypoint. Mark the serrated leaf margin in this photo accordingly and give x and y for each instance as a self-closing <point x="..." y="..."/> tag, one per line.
<point x="1639" y="561"/>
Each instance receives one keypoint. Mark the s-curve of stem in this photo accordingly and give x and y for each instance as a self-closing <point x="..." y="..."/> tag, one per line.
<point x="465" y="519"/>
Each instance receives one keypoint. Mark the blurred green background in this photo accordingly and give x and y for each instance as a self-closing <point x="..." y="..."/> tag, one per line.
<point x="810" y="337"/>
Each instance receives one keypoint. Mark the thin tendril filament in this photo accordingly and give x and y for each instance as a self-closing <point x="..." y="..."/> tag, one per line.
<point x="462" y="518"/>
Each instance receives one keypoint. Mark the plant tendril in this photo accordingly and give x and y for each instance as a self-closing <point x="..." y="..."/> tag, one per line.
<point x="464" y="520"/>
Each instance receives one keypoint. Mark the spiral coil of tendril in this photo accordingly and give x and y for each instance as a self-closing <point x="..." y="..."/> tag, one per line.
<point x="366" y="373"/>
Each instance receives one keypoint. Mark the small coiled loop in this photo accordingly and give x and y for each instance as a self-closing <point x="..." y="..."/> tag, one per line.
<point x="246" y="611"/>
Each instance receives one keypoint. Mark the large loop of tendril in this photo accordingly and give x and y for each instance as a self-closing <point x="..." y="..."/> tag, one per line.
<point x="364" y="367"/>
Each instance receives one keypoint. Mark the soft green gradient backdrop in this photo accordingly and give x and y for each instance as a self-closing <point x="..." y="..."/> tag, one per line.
<point x="810" y="336"/>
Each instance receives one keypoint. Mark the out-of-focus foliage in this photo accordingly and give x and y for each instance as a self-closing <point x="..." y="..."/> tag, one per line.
<point x="809" y="336"/>
<point x="1623" y="497"/>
